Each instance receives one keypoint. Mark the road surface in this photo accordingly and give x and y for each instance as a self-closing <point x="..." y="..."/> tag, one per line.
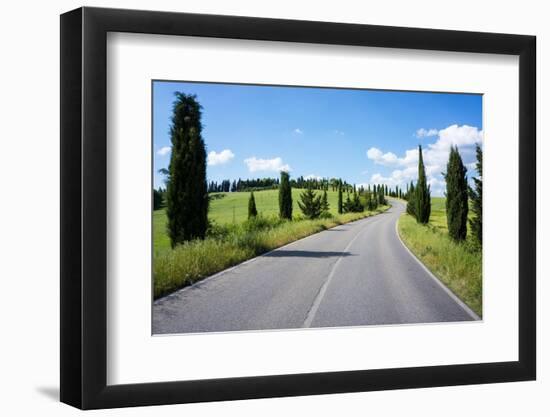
<point x="355" y="274"/>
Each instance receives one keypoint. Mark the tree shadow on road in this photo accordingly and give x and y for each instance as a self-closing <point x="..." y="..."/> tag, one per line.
<point x="306" y="254"/>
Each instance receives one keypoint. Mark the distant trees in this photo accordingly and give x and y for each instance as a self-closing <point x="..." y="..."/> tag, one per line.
<point x="346" y="207"/>
<point x="371" y="200"/>
<point x="356" y="206"/>
<point x="340" y="202"/>
<point x="310" y="204"/>
<point x="325" y="207"/>
<point x="456" y="202"/>
<point x="476" y="224"/>
<point x="381" y="196"/>
<point x="353" y="204"/>
<point x="186" y="194"/>
<point x="252" y="211"/>
<point x="285" y="197"/>
<point x="422" y="196"/>
<point x="158" y="199"/>
<point x="254" y="184"/>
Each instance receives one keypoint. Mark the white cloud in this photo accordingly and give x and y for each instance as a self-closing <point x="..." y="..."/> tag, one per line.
<point x="220" y="158"/>
<point x="423" y="133"/>
<point x="298" y="131"/>
<point x="388" y="158"/>
<point x="435" y="156"/>
<point x="313" y="177"/>
<point x="258" y="164"/>
<point x="472" y="166"/>
<point x="165" y="150"/>
<point x="339" y="132"/>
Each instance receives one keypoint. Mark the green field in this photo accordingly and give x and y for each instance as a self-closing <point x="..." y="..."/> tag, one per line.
<point x="459" y="266"/>
<point x="233" y="238"/>
<point x="232" y="208"/>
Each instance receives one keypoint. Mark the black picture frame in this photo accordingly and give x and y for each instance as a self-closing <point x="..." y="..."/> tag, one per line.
<point x="84" y="207"/>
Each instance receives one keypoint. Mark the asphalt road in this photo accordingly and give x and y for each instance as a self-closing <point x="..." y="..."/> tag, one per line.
<point x="356" y="274"/>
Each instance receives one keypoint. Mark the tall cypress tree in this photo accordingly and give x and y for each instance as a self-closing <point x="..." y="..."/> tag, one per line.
<point x="456" y="202"/>
<point x="285" y="197"/>
<point x="186" y="193"/>
<point x="476" y="196"/>
<point x="356" y="205"/>
<point x="411" y="200"/>
<point x="381" y="198"/>
<point x="340" y="202"/>
<point x="252" y="212"/>
<point x="422" y="198"/>
<point x="325" y="207"/>
<point x="347" y="206"/>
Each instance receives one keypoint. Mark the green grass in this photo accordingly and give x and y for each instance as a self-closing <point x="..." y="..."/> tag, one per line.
<point x="458" y="266"/>
<point x="232" y="208"/>
<point x="229" y="244"/>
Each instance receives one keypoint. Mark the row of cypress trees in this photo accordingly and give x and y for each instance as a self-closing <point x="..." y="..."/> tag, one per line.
<point x="187" y="191"/>
<point x="458" y="196"/>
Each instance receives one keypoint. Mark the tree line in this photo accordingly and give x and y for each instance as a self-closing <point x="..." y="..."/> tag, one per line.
<point x="255" y="184"/>
<point x="314" y="204"/>
<point x="258" y="184"/>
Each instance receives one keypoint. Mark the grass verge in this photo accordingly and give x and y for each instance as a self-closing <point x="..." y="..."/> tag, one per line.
<point x="457" y="265"/>
<point x="228" y="245"/>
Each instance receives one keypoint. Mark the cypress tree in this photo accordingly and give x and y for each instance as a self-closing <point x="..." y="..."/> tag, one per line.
<point x="325" y="207"/>
<point x="186" y="193"/>
<point x="356" y="205"/>
<point x="340" y="203"/>
<point x="381" y="198"/>
<point x="252" y="212"/>
<point x="347" y="205"/>
<point x="411" y="201"/>
<point x="285" y="197"/>
<point x="422" y="193"/>
<point x="476" y="225"/>
<point x="371" y="202"/>
<point x="310" y="204"/>
<point x="456" y="203"/>
<point x="157" y="199"/>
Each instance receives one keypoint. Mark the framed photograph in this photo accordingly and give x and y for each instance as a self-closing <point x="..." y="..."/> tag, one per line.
<point x="256" y="208"/>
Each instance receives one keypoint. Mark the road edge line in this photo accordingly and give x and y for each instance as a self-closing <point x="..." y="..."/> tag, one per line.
<point x="451" y="294"/>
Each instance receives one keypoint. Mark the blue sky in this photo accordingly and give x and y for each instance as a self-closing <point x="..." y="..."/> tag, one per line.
<point x="362" y="136"/>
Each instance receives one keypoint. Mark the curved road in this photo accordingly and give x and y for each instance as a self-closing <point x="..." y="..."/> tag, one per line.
<point x="355" y="274"/>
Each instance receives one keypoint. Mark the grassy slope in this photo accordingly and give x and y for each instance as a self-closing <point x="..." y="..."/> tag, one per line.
<point x="239" y="241"/>
<point x="456" y="265"/>
<point x="233" y="208"/>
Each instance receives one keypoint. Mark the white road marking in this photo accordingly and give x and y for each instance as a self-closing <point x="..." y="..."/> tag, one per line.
<point x="323" y="290"/>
